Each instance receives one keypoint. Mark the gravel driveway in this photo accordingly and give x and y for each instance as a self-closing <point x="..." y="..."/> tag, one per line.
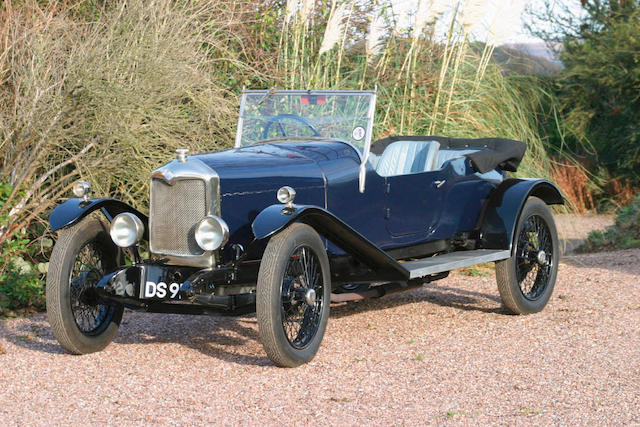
<point x="443" y="354"/>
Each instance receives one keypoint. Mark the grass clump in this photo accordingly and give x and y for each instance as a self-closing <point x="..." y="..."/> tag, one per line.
<point x="623" y="234"/>
<point x="479" y="270"/>
<point x="104" y="96"/>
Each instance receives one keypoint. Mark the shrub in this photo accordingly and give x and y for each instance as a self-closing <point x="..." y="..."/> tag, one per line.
<point x="21" y="276"/>
<point x="624" y="234"/>
<point x="597" y="91"/>
<point x="575" y="184"/>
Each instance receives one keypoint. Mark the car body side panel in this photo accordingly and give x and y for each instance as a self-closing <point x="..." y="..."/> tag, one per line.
<point x="340" y="164"/>
<point x="277" y="217"/>
<point x="414" y="203"/>
<point x="363" y="212"/>
<point x="462" y="205"/>
<point x="239" y="212"/>
<point x="454" y="207"/>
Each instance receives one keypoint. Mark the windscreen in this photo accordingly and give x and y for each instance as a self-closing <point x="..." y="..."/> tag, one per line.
<point x="306" y="115"/>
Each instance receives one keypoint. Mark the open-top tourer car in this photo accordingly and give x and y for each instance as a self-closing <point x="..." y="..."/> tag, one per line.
<point x="305" y="210"/>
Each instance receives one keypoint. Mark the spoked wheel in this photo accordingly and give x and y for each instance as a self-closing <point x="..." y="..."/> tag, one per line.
<point x="82" y="255"/>
<point x="302" y="297"/>
<point x="526" y="280"/>
<point x="534" y="257"/>
<point x="293" y="295"/>
<point x="90" y="316"/>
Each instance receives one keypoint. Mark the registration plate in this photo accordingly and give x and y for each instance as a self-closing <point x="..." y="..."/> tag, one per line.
<point x="161" y="290"/>
<point x="161" y="283"/>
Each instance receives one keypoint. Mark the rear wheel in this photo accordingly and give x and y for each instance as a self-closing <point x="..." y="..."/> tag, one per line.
<point x="526" y="280"/>
<point x="83" y="254"/>
<point x="293" y="296"/>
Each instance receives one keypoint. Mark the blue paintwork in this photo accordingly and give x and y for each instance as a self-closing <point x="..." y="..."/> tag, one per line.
<point x="393" y="212"/>
<point x="501" y="214"/>
<point x="73" y="210"/>
<point x="464" y="197"/>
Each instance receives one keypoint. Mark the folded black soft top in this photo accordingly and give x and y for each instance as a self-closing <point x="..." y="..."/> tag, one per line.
<point x="494" y="152"/>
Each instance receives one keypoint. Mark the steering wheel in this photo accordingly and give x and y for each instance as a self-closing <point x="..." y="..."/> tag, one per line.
<point x="278" y="119"/>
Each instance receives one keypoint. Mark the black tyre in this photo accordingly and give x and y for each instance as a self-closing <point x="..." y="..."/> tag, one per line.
<point x="82" y="255"/>
<point x="293" y="296"/>
<point x="526" y="280"/>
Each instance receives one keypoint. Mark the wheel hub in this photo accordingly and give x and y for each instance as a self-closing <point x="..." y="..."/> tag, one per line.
<point x="541" y="257"/>
<point x="310" y="297"/>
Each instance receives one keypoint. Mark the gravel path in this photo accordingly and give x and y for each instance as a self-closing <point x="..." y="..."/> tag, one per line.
<point x="443" y="354"/>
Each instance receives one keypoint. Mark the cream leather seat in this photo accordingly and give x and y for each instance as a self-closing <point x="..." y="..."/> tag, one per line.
<point x="408" y="157"/>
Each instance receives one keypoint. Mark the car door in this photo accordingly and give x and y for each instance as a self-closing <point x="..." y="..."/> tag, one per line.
<point x="414" y="202"/>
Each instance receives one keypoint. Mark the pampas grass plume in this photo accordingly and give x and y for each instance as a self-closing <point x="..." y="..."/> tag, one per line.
<point x="375" y="34"/>
<point x="292" y="7"/>
<point x="335" y="27"/>
<point x="472" y="14"/>
<point x="503" y="25"/>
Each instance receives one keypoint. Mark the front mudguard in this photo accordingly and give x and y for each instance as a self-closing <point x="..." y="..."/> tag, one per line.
<point x="73" y="210"/>
<point x="276" y="218"/>
<point x="500" y="214"/>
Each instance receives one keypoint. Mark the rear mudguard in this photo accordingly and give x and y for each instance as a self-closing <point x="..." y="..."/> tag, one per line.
<point x="73" y="210"/>
<point x="277" y="217"/>
<point x="500" y="214"/>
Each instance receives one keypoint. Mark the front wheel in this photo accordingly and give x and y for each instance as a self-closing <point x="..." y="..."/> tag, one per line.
<point x="83" y="254"/>
<point x="526" y="280"/>
<point x="293" y="296"/>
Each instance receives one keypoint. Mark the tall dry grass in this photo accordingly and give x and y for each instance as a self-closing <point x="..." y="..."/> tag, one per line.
<point x="108" y="100"/>
<point x="427" y="84"/>
<point x="575" y="184"/>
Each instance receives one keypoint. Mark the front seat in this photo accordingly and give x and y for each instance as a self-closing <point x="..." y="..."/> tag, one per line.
<point x="408" y="157"/>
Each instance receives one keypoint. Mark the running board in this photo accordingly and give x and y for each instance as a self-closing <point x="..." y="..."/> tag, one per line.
<point x="452" y="260"/>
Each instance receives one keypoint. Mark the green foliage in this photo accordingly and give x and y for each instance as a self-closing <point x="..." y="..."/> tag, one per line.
<point x="598" y="92"/>
<point x="21" y="284"/>
<point x="624" y="234"/>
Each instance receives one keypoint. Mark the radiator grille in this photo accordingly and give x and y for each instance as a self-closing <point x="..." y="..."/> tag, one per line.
<point x="175" y="210"/>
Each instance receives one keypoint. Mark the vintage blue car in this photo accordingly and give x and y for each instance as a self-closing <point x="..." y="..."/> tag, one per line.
<point x="305" y="210"/>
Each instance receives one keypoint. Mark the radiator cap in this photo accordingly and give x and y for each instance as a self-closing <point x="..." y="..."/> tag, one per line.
<point x="181" y="154"/>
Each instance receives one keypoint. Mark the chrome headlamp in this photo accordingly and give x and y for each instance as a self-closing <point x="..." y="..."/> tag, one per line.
<point x="212" y="233"/>
<point x="81" y="190"/>
<point x="126" y="230"/>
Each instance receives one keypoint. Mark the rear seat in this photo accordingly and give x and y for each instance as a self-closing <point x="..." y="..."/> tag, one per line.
<point x="450" y="154"/>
